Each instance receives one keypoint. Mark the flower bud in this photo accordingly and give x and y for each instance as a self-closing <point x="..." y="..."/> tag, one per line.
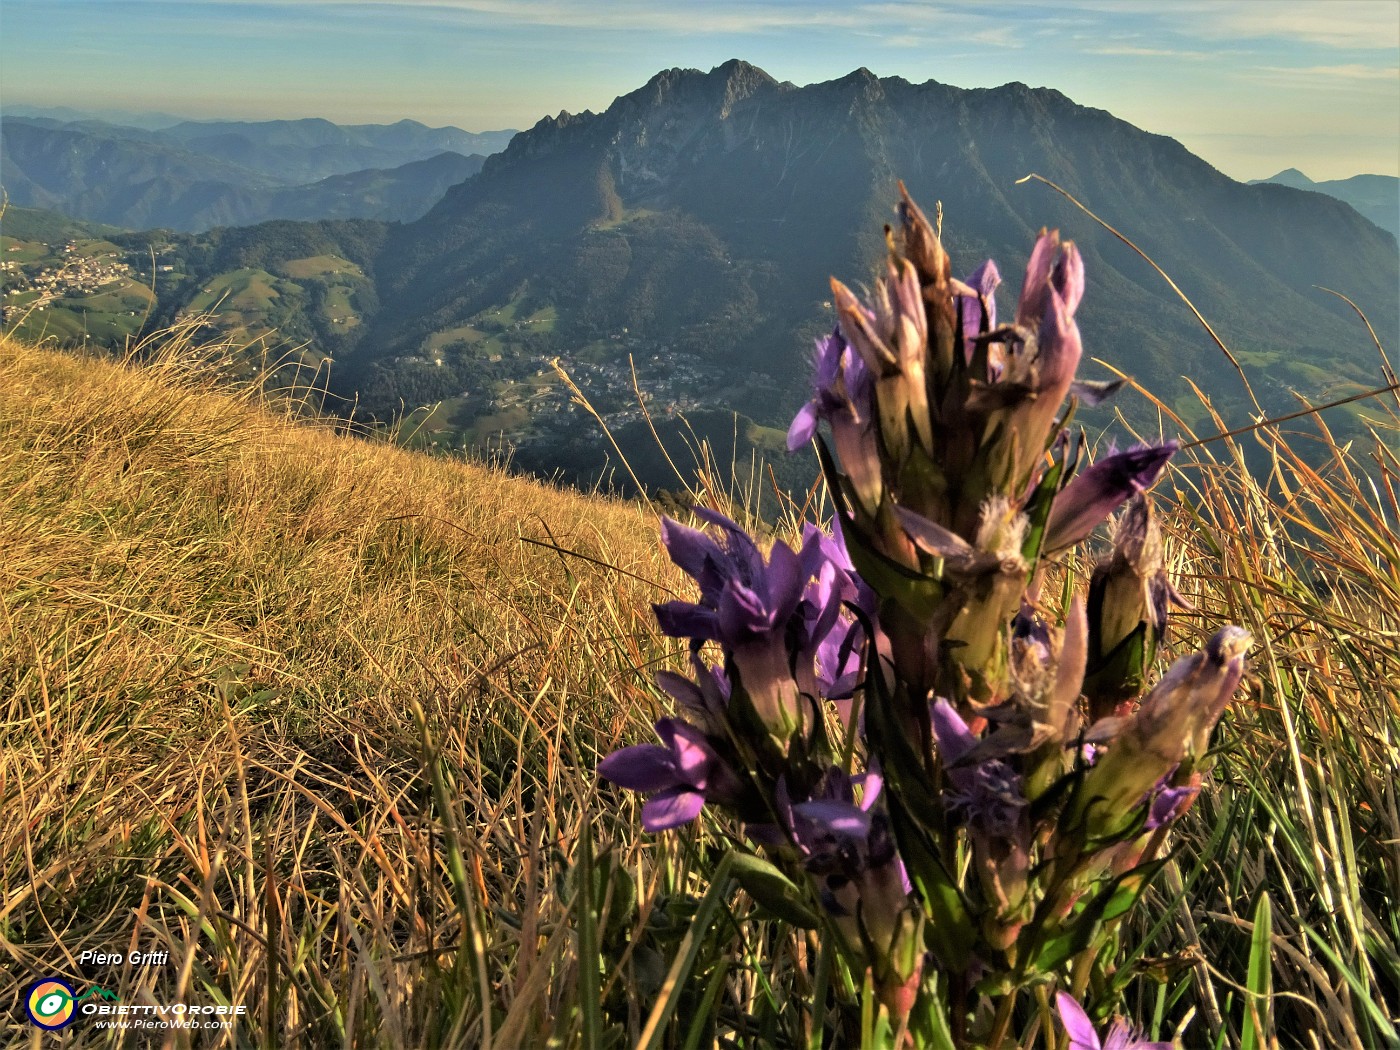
<point x="1173" y="723"/>
<point x="1128" y="597"/>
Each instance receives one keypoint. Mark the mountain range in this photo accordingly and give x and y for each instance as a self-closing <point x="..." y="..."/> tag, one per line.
<point x="707" y="210"/>
<point x="1375" y="196"/>
<point x="196" y="175"/>
<point x="692" y="228"/>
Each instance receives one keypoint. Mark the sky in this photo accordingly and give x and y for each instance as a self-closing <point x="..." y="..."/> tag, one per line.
<point x="1252" y="86"/>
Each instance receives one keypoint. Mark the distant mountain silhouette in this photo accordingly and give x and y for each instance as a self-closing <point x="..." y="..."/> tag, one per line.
<point x="1377" y="197"/>
<point x="194" y="176"/>
<point x="307" y="150"/>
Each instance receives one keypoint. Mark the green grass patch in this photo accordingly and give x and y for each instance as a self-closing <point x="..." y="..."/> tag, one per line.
<point x="461" y="334"/>
<point x="320" y="266"/>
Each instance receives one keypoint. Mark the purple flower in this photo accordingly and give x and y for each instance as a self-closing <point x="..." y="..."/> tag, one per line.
<point x="849" y="847"/>
<point x="681" y="776"/>
<point x="741" y="597"/>
<point x="1173" y="723"/>
<point x="833" y="818"/>
<point x="1167" y="802"/>
<point x="838" y="659"/>
<point x="988" y="792"/>
<point x="1094" y="494"/>
<point x="1128" y="597"/>
<point x="1045" y="348"/>
<point x="840" y="389"/>
<point x="1083" y="1037"/>
<point x="769" y="617"/>
<point x="706" y="697"/>
<point x="978" y="314"/>
<point x="843" y="395"/>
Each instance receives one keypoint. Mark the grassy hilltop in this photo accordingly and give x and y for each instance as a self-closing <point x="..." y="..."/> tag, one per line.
<point x="319" y="717"/>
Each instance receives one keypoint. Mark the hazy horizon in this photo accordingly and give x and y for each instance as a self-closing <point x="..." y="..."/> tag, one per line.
<point x="1252" y="88"/>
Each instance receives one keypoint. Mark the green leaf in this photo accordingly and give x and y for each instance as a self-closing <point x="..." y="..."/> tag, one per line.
<point x="774" y="891"/>
<point x="588" y="944"/>
<point x="653" y="1034"/>
<point x="1082" y="928"/>
<point x="1258" y="1007"/>
<point x="1038" y="510"/>
<point x="950" y="932"/>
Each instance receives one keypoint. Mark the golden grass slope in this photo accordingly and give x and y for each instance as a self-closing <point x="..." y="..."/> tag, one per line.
<point x="213" y="626"/>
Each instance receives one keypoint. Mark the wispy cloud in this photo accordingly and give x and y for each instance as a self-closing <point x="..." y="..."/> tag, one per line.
<point x="1151" y="52"/>
<point x="1371" y="25"/>
<point x="1350" y="72"/>
<point x="1364" y="25"/>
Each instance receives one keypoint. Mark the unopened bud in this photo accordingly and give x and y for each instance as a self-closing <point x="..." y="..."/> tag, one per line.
<point x="1128" y="597"/>
<point x="1174" y="723"/>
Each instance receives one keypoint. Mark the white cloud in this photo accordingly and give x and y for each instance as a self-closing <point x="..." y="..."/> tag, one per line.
<point x="1151" y="52"/>
<point x="1362" y="24"/>
<point x="1351" y="72"/>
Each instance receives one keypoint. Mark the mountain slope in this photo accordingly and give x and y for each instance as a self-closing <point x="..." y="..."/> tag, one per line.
<point x="1377" y="197"/>
<point x="308" y="150"/>
<point x="106" y="178"/>
<point x="706" y="211"/>
<point x="90" y="172"/>
<point x="393" y="194"/>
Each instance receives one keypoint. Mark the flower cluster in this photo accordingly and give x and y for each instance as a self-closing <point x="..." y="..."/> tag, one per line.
<point x="958" y="770"/>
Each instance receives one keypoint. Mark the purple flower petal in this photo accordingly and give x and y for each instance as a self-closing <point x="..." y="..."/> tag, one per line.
<point x="1094" y="494"/>
<point x="686" y="620"/>
<point x="954" y="738"/>
<point x="682" y="690"/>
<point x="1168" y="804"/>
<point x="956" y="552"/>
<point x="692" y="755"/>
<point x="641" y="767"/>
<point x="742" y="614"/>
<point x="787" y="577"/>
<point x="1058" y="349"/>
<point x="1036" y="289"/>
<point x="693" y="551"/>
<point x="845" y="819"/>
<point x="871" y="784"/>
<point x="804" y="425"/>
<point x="1067" y="278"/>
<point x="671" y="809"/>
<point x="1081" y="1031"/>
<point x="984" y="281"/>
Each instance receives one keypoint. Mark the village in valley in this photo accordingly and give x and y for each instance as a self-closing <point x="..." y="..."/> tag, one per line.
<point x="75" y="290"/>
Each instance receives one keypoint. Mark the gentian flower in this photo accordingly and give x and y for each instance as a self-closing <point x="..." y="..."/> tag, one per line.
<point x="1083" y="1037"/>
<point x="987" y="792"/>
<point x="681" y="776"/>
<point x="1166" y="803"/>
<point x="843" y="395"/>
<point x="849" y="847"/>
<point x="1173" y="723"/>
<point x="1094" y="494"/>
<point x="755" y="610"/>
<point x="706" y="698"/>
<point x="1046" y="349"/>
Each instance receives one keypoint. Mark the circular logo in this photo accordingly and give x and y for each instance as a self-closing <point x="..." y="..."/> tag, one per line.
<point x="50" y="1004"/>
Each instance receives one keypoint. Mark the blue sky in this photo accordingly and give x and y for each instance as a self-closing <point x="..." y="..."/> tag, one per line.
<point x="1252" y="86"/>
